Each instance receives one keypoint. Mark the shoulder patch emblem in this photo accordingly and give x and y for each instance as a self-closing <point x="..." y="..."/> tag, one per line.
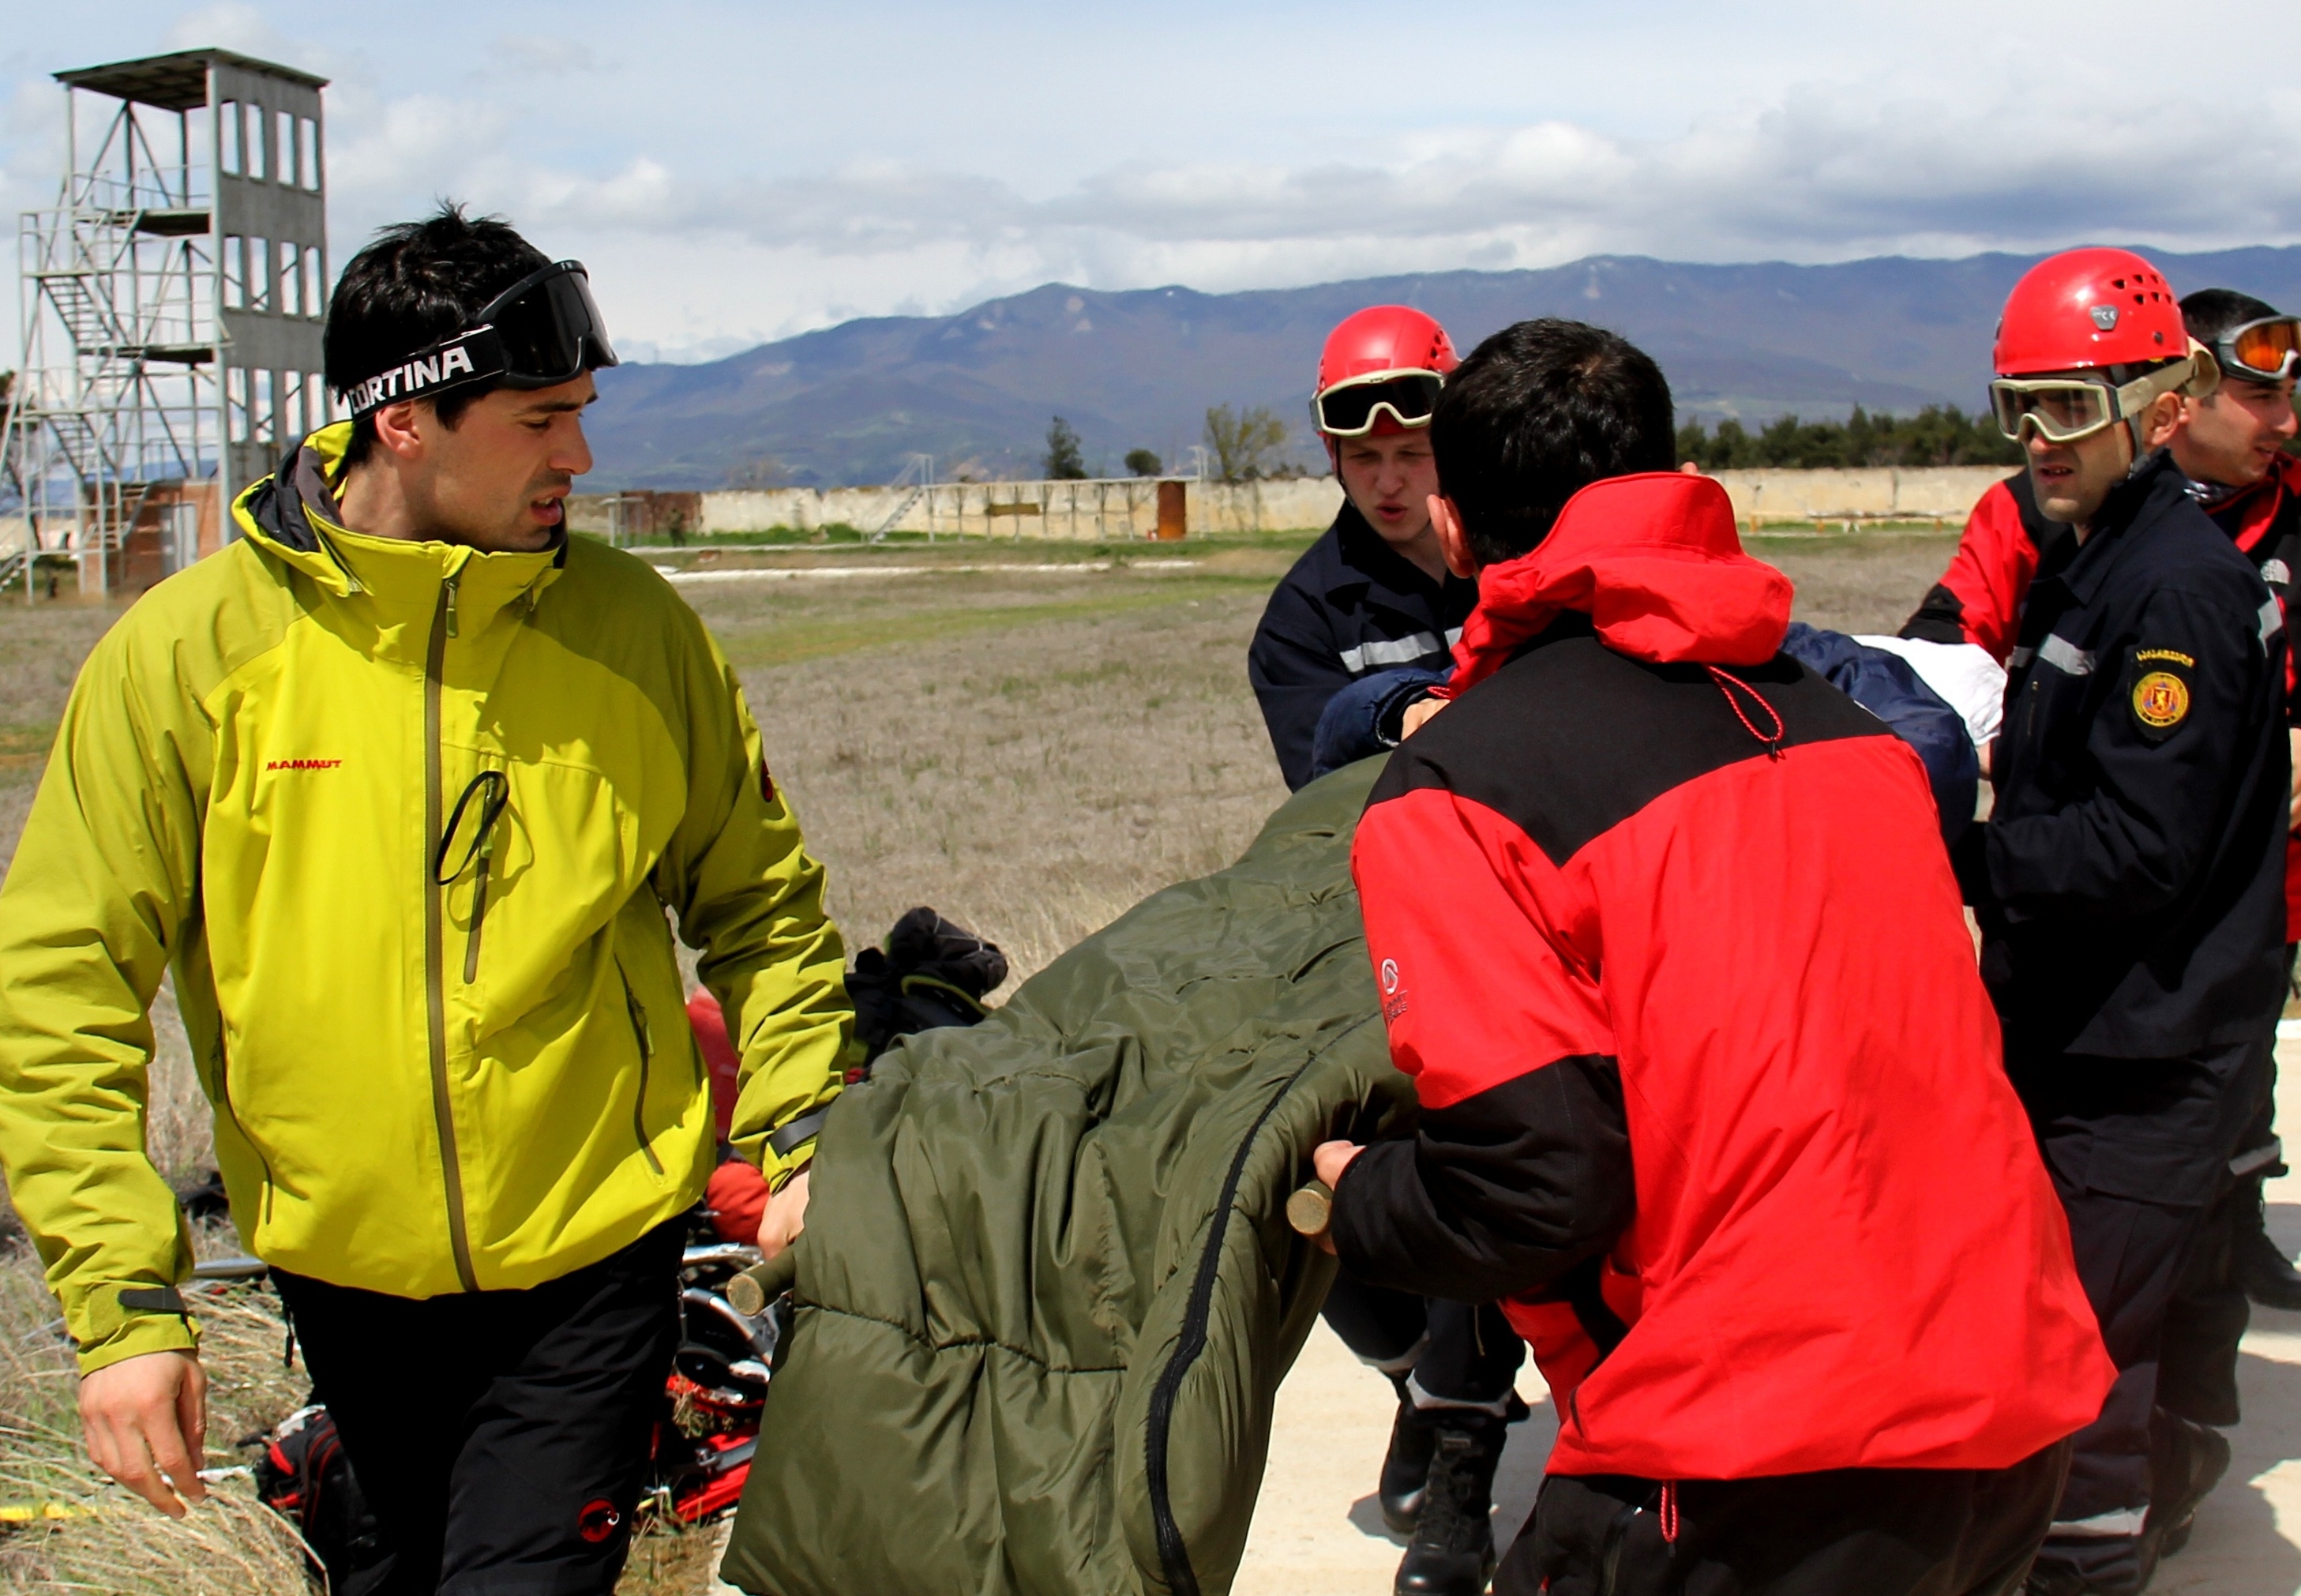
<point x="2161" y="700"/>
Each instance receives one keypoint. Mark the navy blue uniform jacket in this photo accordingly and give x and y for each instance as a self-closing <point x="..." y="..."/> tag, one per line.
<point x="2130" y="880"/>
<point x="1350" y="606"/>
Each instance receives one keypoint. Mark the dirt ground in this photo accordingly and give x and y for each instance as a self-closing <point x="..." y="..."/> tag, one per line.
<point x="1031" y="751"/>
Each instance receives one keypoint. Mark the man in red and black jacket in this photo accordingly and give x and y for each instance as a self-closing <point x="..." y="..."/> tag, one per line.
<point x="2230" y="444"/>
<point x="1711" y="1094"/>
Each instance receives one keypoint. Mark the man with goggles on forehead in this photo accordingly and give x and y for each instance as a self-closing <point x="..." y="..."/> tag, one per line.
<point x="400" y="786"/>
<point x="1359" y="630"/>
<point x="2130" y="881"/>
<point x="1366" y="621"/>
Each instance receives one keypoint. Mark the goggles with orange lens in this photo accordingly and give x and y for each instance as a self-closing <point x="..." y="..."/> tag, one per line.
<point x="2065" y="409"/>
<point x="2266" y="351"/>
<point x="1354" y="408"/>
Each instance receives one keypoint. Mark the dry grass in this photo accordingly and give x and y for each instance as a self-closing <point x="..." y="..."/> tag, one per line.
<point x="1029" y="752"/>
<point x="92" y="1535"/>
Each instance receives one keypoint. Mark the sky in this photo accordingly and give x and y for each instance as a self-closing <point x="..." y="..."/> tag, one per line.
<point x="736" y="172"/>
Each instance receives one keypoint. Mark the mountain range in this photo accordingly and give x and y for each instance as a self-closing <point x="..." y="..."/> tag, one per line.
<point x="1138" y="369"/>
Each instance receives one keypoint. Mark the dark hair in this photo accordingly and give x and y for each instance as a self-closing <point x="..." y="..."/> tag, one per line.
<point x="416" y="283"/>
<point x="1536" y="414"/>
<point x="2209" y="312"/>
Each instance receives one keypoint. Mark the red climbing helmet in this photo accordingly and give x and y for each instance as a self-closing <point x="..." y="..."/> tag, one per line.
<point x="2088" y="308"/>
<point x="1380" y="372"/>
<point x="2091" y="309"/>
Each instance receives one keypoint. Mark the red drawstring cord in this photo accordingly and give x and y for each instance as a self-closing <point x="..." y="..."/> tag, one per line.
<point x="1669" y="1494"/>
<point x="1727" y="682"/>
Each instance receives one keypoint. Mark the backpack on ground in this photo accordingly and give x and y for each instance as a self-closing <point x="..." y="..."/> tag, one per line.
<point x="304" y="1476"/>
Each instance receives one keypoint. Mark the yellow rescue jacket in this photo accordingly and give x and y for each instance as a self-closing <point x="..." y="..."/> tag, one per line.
<point x="445" y="1055"/>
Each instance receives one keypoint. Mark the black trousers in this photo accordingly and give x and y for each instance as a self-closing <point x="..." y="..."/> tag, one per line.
<point x="500" y="1436"/>
<point x="1879" y="1532"/>
<point x="2139" y="1150"/>
<point x="2197" y="1368"/>
<point x="1453" y="1354"/>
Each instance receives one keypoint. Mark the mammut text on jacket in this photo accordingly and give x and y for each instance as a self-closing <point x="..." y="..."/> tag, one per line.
<point x="267" y="770"/>
<point x="1711" y="1087"/>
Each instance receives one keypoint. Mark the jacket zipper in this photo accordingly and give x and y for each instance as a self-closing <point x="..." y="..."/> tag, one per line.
<point x="435" y="981"/>
<point x="645" y="1040"/>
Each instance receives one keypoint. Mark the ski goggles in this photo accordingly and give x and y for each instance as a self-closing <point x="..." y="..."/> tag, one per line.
<point x="2065" y="409"/>
<point x="2266" y="351"/>
<point x="1352" y="409"/>
<point x="543" y="330"/>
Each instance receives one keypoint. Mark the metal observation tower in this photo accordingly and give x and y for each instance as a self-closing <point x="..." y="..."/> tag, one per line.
<point x="172" y="298"/>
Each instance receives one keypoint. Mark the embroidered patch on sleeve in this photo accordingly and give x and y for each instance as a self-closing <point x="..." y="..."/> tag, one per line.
<point x="2161" y="703"/>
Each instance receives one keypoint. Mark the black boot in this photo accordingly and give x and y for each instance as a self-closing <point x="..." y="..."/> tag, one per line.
<point x="2263" y="1269"/>
<point x="1453" y="1552"/>
<point x="1406" y="1467"/>
<point x="2186" y="1462"/>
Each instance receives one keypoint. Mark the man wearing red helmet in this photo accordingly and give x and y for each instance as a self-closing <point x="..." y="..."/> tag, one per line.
<point x="2230" y="443"/>
<point x="2130" y="878"/>
<point x="1362" y="628"/>
<point x="1370" y="609"/>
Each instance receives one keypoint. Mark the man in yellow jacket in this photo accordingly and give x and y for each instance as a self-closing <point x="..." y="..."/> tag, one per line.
<point x="401" y="786"/>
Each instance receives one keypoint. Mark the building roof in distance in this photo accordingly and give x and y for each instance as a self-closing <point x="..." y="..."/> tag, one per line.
<point x="177" y="82"/>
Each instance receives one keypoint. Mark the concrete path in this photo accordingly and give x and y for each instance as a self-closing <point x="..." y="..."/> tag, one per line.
<point x="1318" y="1532"/>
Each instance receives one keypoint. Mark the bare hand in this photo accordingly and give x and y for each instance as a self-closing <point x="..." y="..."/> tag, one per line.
<point x="146" y="1422"/>
<point x="1417" y="712"/>
<point x="785" y="1216"/>
<point x="1329" y="1159"/>
<point x="2293" y="804"/>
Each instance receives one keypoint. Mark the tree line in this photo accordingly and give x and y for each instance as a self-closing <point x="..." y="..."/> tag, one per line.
<point x="1937" y="435"/>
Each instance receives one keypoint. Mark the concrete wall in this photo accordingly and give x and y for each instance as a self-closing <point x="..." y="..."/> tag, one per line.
<point x="1097" y="511"/>
<point x="1937" y="493"/>
<point x="1088" y="512"/>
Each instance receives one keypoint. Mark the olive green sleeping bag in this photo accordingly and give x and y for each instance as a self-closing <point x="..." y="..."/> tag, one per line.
<point x="1047" y="1290"/>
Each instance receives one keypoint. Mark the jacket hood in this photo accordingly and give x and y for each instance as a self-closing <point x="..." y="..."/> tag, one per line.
<point x="1655" y="563"/>
<point x="294" y="514"/>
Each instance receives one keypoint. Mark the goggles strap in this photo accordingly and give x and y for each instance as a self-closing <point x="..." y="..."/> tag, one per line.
<point x="468" y="358"/>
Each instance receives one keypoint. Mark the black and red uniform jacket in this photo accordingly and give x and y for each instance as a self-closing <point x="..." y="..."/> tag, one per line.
<point x="2008" y="544"/>
<point x="1711" y="1094"/>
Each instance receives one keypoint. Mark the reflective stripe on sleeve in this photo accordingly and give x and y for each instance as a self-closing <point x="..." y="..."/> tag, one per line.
<point x="2123" y="1521"/>
<point x="1393" y="651"/>
<point x="2058" y="652"/>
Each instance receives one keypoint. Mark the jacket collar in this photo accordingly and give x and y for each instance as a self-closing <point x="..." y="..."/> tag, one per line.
<point x="294" y="514"/>
<point x="2152" y="485"/>
<point x="1654" y="562"/>
<point x="1369" y="558"/>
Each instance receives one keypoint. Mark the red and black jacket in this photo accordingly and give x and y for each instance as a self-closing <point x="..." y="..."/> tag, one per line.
<point x="1711" y="1095"/>
<point x="1978" y="598"/>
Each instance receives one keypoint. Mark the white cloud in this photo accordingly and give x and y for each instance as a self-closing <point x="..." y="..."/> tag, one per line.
<point x="734" y="172"/>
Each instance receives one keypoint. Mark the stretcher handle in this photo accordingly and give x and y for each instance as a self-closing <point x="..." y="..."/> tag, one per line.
<point x="749" y="1293"/>
<point x="1310" y="1209"/>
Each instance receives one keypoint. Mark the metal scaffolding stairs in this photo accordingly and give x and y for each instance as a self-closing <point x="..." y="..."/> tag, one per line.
<point x="919" y="474"/>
